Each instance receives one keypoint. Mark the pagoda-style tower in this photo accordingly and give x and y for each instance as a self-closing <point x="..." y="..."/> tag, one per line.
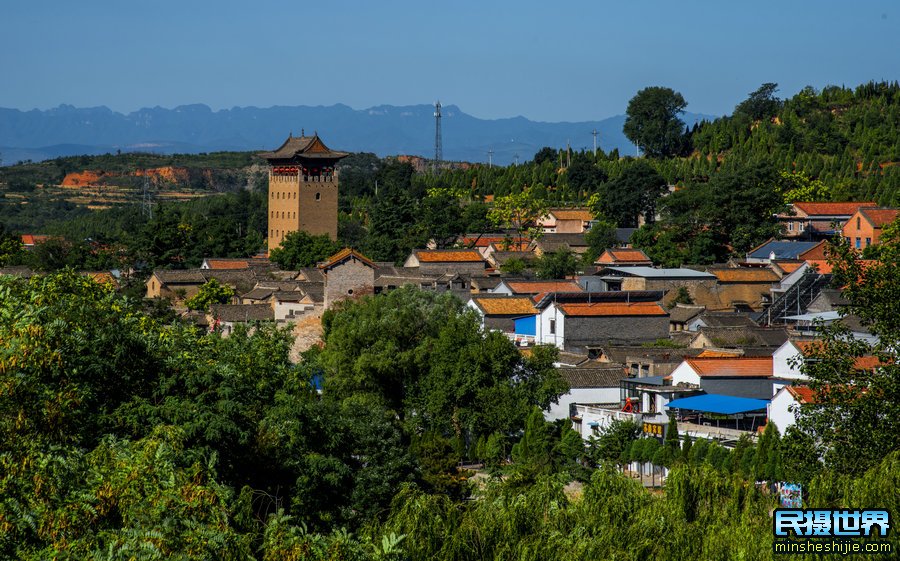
<point x="303" y="188"/>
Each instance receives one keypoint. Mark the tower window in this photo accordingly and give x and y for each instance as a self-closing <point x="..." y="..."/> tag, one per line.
<point x="318" y="196"/>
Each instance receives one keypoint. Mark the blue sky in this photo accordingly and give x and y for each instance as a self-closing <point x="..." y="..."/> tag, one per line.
<point x="570" y="62"/>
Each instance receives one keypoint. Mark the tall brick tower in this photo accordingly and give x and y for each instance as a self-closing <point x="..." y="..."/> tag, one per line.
<point x="303" y="188"/>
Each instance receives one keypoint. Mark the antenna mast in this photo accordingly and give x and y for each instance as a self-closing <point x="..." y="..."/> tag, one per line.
<point x="594" y="132"/>
<point x="438" y="142"/>
<point x="147" y="198"/>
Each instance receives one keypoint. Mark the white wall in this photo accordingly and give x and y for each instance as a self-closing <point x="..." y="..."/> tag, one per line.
<point x="780" y="410"/>
<point x="781" y="362"/>
<point x="580" y="395"/>
<point x="684" y="374"/>
<point x="471" y="304"/>
<point x="501" y="289"/>
<point x="543" y="328"/>
<point x="283" y="310"/>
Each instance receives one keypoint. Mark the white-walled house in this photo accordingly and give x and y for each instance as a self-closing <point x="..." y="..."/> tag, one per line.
<point x="573" y="325"/>
<point x="786" y="362"/>
<point x="596" y="385"/>
<point x="784" y="407"/>
<point x="735" y="376"/>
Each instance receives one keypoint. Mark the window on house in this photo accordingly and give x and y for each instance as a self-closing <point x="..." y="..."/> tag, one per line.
<point x="868" y="242"/>
<point x="553" y="327"/>
<point x="857" y="222"/>
<point x="858" y="244"/>
<point x="801" y="226"/>
<point x="318" y="196"/>
<point x="790" y="226"/>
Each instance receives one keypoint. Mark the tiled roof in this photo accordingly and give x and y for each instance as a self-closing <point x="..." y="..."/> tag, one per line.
<point x="709" y="353"/>
<point x="866" y="363"/>
<point x="781" y="249"/>
<point x="732" y="367"/>
<point x="612" y="309"/>
<point x="730" y="337"/>
<point x="582" y="214"/>
<point x="102" y="277"/>
<point x="831" y="209"/>
<point x="623" y="256"/>
<point x="745" y="274"/>
<point x="176" y="276"/>
<point x="726" y="319"/>
<point x="448" y="256"/>
<point x="511" y="305"/>
<point x="342" y="256"/>
<point x="549" y="242"/>
<point x="538" y="287"/>
<point x="789" y="266"/>
<point x="878" y="217"/>
<point x="815" y="252"/>
<point x="485" y="283"/>
<point x="302" y="146"/>
<point x="228" y="263"/>
<point x="242" y="312"/>
<point x="312" y="274"/>
<point x="681" y="314"/>
<point x="258" y="294"/>
<point x="806" y="346"/>
<point x="803" y="394"/>
<point x="592" y="377"/>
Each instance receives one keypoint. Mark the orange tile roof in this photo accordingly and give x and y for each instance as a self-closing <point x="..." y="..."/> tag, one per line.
<point x="789" y="266"/>
<point x="448" y="256"/>
<point x="521" y="246"/>
<point x="866" y="363"/>
<point x="807" y="347"/>
<point x="803" y="394"/>
<point x="537" y="287"/>
<point x="831" y="209"/>
<point x="745" y="274"/>
<point x="732" y="367"/>
<point x="514" y="305"/>
<point x="815" y="252"/>
<point x="623" y="255"/>
<point x="31" y="239"/>
<point x="345" y="254"/>
<point x="879" y="217"/>
<point x="572" y="214"/>
<point x="611" y="309"/>
<point x="220" y="264"/>
<point x="101" y="277"/>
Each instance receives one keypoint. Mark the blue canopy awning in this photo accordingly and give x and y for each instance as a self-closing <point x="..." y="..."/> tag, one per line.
<point x="721" y="404"/>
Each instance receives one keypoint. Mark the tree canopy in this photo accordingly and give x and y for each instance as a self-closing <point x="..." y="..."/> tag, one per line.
<point x="652" y="121"/>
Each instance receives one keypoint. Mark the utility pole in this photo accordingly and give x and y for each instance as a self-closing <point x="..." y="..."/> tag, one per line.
<point x="594" y="132"/>
<point x="491" y="158"/>
<point x="517" y="158"/>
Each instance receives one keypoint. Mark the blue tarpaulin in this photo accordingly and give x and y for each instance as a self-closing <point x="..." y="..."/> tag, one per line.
<point x="721" y="404"/>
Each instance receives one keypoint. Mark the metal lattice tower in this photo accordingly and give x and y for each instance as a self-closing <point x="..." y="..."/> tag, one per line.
<point x="438" y="142"/>
<point x="147" y="199"/>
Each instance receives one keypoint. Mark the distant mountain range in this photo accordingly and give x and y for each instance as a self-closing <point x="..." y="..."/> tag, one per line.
<point x="385" y="130"/>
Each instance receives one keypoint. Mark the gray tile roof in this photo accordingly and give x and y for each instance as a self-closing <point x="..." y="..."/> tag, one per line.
<point x="234" y="313"/>
<point x="593" y="376"/>
<point x="738" y="337"/>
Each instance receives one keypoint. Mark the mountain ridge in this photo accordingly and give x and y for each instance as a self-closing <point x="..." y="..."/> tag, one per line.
<point x="383" y="129"/>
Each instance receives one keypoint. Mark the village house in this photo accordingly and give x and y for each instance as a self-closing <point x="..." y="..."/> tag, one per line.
<point x="549" y="243"/>
<point x="739" y="338"/>
<point x="681" y="315"/>
<point x="864" y="228"/>
<point x="643" y="362"/>
<point x="739" y="289"/>
<point x="623" y="257"/>
<point x="734" y="376"/>
<point x="590" y="384"/>
<point x="178" y="285"/>
<point x="520" y="287"/>
<point x="697" y="284"/>
<point x="817" y="220"/>
<point x="784" y="408"/>
<point x="348" y="274"/>
<point x="224" y="317"/>
<point x="566" y="221"/>
<point x="577" y="325"/>
<point x="440" y="261"/>
<point x="778" y="250"/>
<point x="499" y="312"/>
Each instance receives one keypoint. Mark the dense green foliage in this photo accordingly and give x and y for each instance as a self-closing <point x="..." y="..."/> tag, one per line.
<point x="301" y="249"/>
<point x="122" y="437"/>
<point x="652" y="122"/>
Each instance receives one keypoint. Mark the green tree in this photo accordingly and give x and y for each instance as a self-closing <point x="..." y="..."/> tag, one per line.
<point x="533" y="454"/>
<point x="652" y="121"/>
<point x="517" y="210"/>
<point x="633" y="193"/>
<point x="600" y="237"/>
<point x="11" y="248"/>
<point x="302" y="249"/>
<point x="559" y="264"/>
<point x="211" y="292"/>
<point x="762" y="103"/>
